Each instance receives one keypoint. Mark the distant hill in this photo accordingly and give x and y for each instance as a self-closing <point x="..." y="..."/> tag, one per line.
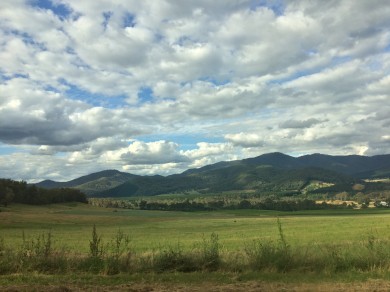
<point x="92" y="183"/>
<point x="269" y="173"/>
<point x="354" y="165"/>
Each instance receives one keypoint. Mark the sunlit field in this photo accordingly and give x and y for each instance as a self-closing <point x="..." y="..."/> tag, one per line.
<point x="71" y="226"/>
<point x="56" y="245"/>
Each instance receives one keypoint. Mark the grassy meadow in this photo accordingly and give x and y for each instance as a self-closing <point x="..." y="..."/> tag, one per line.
<point x="221" y="246"/>
<point x="71" y="226"/>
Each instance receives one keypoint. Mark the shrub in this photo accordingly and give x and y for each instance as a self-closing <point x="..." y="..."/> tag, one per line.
<point x="96" y="248"/>
<point x="95" y="262"/>
<point x="119" y="254"/>
<point x="270" y="255"/>
<point x="174" y="259"/>
<point x="210" y="257"/>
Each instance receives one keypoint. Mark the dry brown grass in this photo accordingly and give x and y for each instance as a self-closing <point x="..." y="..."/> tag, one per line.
<point x="370" y="285"/>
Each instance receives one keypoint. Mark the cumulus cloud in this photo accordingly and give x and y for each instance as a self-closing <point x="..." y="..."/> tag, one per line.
<point x="245" y="139"/>
<point x="29" y="114"/>
<point x="159" y="152"/>
<point x="81" y="80"/>
<point x="209" y="153"/>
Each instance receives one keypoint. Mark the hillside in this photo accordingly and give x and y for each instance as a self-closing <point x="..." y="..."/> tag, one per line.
<point x="272" y="173"/>
<point x="92" y="183"/>
<point x="353" y="165"/>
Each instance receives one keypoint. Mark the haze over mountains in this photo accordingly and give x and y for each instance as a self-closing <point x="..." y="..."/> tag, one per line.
<point x="273" y="172"/>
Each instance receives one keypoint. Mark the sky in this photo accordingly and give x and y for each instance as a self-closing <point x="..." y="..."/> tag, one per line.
<point x="157" y="87"/>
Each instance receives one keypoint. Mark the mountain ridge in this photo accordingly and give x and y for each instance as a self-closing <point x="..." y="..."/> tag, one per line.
<point x="268" y="172"/>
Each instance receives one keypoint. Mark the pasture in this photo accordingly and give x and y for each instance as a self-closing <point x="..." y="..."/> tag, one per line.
<point x="172" y="248"/>
<point x="71" y="226"/>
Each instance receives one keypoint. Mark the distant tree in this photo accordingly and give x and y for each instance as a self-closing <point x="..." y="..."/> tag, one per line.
<point x="6" y="196"/>
<point x="343" y="196"/>
<point x="245" y="204"/>
<point x="19" y="192"/>
<point x="142" y="205"/>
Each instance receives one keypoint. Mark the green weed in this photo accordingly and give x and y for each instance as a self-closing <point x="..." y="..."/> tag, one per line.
<point x="174" y="258"/>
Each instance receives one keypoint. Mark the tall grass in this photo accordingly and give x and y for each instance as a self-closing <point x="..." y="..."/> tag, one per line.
<point x="44" y="255"/>
<point x="270" y="255"/>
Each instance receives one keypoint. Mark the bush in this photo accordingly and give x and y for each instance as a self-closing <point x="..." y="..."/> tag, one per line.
<point x="95" y="261"/>
<point x="174" y="259"/>
<point x="119" y="254"/>
<point x="270" y="255"/>
<point x="211" y="259"/>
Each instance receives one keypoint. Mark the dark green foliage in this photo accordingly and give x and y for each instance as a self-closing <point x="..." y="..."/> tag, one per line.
<point x="96" y="248"/>
<point x="20" y="192"/>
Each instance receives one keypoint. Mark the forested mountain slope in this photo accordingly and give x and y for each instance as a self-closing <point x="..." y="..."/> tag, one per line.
<point x="268" y="173"/>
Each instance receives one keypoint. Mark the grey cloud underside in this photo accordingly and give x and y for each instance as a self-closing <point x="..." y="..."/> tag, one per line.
<point x="19" y="128"/>
<point x="147" y="158"/>
<point x="296" y="124"/>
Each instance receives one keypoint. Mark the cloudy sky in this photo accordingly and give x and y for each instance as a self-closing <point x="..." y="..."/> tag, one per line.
<point x="157" y="87"/>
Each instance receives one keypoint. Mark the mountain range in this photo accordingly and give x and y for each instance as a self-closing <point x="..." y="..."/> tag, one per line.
<point x="269" y="173"/>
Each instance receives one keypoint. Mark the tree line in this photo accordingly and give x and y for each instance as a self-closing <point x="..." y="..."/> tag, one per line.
<point x="212" y="204"/>
<point x="20" y="192"/>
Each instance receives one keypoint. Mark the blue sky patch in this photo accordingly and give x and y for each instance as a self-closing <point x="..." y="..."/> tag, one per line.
<point x="93" y="99"/>
<point x="145" y="94"/>
<point x="387" y="48"/>
<point x="106" y="16"/>
<point x="129" y="20"/>
<point x="341" y="59"/>
<point x="8" y="149"/>
<point x="294" y="76"/>
<point x="58" y="9"/>
<point x="277" y="6"/>
<point x="9" y="77"/>
<point x="215" y="81"/>
<point x="27" y="39"/>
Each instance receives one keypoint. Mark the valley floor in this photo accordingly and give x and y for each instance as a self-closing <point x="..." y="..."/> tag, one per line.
<point x="346" y="250"/>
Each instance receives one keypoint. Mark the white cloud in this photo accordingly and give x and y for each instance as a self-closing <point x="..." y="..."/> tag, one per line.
<point x="245" y="139"/>
<point x="308" y="76"/>
<point x="158" y="152"/>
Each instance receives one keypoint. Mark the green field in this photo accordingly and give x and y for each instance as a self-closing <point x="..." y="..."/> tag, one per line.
<point x="71" y="226"/>
<point x="317" y="246"/>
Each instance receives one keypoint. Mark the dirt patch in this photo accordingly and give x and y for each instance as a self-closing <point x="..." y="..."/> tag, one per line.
<point x="371" y="285"/>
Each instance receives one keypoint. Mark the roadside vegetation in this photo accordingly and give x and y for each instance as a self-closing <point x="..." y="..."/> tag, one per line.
<point x="116" y="256"/>
<point x="274" y="253"/>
